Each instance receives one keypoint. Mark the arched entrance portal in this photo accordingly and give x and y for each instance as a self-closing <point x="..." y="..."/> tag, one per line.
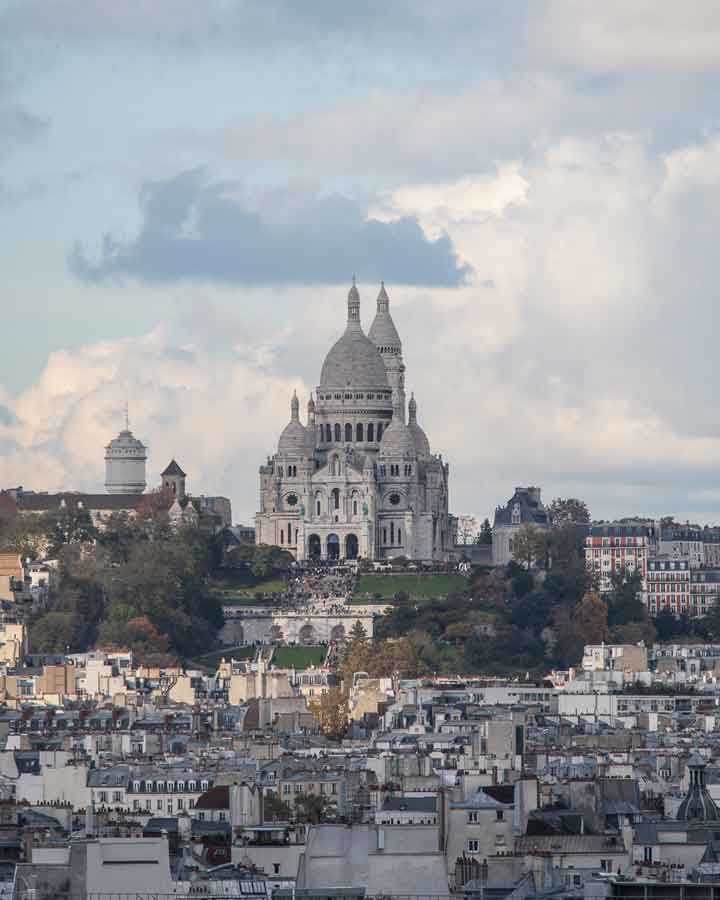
<point x="338" y="633"/>
<point x="314" y="547"/>
<point x="307" y="635"/>
<point x="351" y="546"/>
<point x="333" y="547"/>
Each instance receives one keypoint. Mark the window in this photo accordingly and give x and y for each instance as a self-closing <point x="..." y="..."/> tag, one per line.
<point x="359" y="432"/>
<point x="336" y="498"/>
<point x="317" y="506"/>
<point x="103" y="796"/>
<point x="221" y="817"/>
<point x="291" y="499"/>
<point x="472" y="818"/>
<point x="348" y="434"/>
<point x="169" y="806"/>
<point x="136" y="804"/>
<point x="276" y="868"/>
<point x="379" y="431"/>
<point x="159" y="804"/>
<point x="384" y="535"/>
<point x="392" y="532"/>
<point x="395" y="499"/>
<point x="328" y="434"/>
<point x="500" y="813"/>
<point x="180" y="803"/>
<point x="117" y="796"/>
<point x="338" y="434"/>
<point x="286" y="789"/>
<point x="334" y="787"/>
<point x="371" y="432"/>
<point x="473" y="846"/>
<point x="355" y="507"/>
<point x="201" y="816"/>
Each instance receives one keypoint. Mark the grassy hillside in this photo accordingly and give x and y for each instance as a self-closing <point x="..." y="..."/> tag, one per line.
<point x="414" y="585"/>
<point x="298" y="657"/>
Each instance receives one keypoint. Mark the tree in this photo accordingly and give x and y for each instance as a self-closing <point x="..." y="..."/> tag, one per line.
<point x="467" y="527"/>
<point x="275" y="809"/>
<point x="357" y="632"/>
<point x="528" y="544"/>
<point x="311" y="808"/>
<point x="591" y="618"/>
<point x="624" y="600"/>
<point x="459" y="632"/>
<point x="569" y="511"/>
<point x="712" y="619"/>
<point x="486" y="535"/>
<point x="331" y="711"/>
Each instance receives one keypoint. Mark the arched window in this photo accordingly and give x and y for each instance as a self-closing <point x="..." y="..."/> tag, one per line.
<point x="334" y="466"/>
<point x="359" y="432"/>
<point x="282" y="535"/>
<point x="338" y="434"/>
<point x="336" y="498"/>
<point x="355" y="506"/>
<point x="348" y="434"/>
<point x="280" y="471"/>
<point x="379" y="437"/>
<point x="320" y="434"/>
<point x="399" y="537"/>
<point x="289" y="533"/>
<point x="328" y="434"/>
<point x="384" y="535"/>
<point x="296" y="535"/>
<point x="371" y="432"/>
<point x="392" y="532"/>
<point x="317" y="505"/>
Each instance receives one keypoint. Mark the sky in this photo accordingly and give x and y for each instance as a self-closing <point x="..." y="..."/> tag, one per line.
<point x="186" y="190"/>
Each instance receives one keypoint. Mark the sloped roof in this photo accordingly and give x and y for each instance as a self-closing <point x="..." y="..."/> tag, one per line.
<point x="174" y="469"/>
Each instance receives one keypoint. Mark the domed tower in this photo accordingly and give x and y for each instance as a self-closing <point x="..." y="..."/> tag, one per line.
<point x="398" y="479"/>
<point x="354" y="398"/>
<point x="698" y="805"/>
<point x="125" y="459"/>
<point x="422" y="444"/>
<point x="384" y="335"/>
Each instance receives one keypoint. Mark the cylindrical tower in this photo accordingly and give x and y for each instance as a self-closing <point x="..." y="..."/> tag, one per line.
<point x="125" y="458"/>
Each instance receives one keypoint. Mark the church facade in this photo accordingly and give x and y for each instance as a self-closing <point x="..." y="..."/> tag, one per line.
<point x="359" y="479"/>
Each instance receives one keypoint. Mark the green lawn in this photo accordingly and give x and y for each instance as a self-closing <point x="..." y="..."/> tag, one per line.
<point x="298" y="657"/>
<point x="212" y="660"/>
<point x="414" y="585"/>
<point x="230" y="584"/>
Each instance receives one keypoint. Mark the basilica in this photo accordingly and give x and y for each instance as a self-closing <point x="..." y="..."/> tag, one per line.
<point x="359" y="479"/>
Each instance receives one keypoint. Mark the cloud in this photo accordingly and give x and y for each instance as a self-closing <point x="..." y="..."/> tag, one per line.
<point x="18" y="127"/>
<point x="197" y="230"/>
<point x="218" y="417"/>
<point x="641" y="35"/>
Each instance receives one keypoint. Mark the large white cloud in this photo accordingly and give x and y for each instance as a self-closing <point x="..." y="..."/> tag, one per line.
<point x="630" y="34"/>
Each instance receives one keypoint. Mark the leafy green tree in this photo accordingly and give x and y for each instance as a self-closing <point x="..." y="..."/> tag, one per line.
<point x="529" y="545"/>
<point x="486" y="535"/>
<point x="624" y="600"/>
<point x="275" y="809"/>
<point x="311" y="808"/>
<point x="568" y="511"/>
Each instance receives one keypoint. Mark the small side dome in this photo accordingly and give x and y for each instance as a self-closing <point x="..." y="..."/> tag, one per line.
<point x="294" y="438"/>
<point x="397" y="440"/>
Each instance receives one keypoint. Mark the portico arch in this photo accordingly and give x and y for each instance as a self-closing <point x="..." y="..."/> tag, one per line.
<point x="351" y="546"/>
<point x="314" y="546"/>
<point x="333" y="546"/>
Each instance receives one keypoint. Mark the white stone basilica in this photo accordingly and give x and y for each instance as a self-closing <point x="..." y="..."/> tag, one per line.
<point x="357" y="481"/>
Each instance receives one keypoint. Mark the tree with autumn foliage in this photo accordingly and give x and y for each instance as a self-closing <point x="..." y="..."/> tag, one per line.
<point x="331" y="711"/>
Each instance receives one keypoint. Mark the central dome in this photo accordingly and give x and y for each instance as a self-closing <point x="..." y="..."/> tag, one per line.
<point x="354" y="361"/>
